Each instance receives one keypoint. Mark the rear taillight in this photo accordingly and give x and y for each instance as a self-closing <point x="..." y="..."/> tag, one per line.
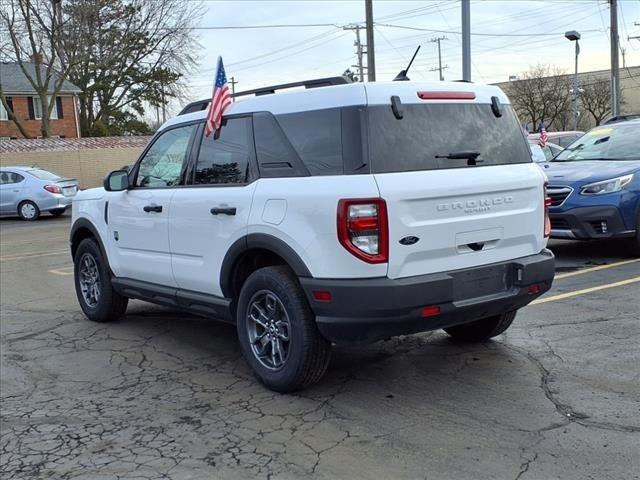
<point x="363" y="228"/>
<point x="52" y="188"/>
<point x="547" y="221"/>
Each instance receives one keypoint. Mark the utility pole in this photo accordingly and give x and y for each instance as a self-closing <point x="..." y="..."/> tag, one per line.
<point x="466" y="40"/>
<point x="615" y="73"/>
<point x="233" y="89"/>
<point x="440" y="67"/>
<point x="359" y="49"/>
<point x="371" y="58"/>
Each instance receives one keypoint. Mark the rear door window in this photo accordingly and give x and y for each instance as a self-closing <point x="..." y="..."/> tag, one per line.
<point x="225" y="159"/>
<point x="427" y="131"/>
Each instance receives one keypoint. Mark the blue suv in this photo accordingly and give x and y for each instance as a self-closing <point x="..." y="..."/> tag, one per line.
<point x="594" y="185"/>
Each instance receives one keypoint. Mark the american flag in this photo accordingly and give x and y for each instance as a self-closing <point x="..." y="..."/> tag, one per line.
<point x="220" y="100"/>
<point x="544" y="138"/>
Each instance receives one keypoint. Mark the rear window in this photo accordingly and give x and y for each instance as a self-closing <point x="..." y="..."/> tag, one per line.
<point x="43" y="174"/>
<point x="426" y="131"/>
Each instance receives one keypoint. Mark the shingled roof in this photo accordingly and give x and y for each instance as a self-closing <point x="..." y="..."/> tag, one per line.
<point x="13" y="80"/>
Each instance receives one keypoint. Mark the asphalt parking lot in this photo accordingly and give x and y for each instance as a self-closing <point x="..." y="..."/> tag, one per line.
<point x="163" y="395"/>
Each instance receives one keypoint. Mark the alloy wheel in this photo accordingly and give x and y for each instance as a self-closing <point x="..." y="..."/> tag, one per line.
<point x="89" y="279"/>
<point x="268" y="329"/>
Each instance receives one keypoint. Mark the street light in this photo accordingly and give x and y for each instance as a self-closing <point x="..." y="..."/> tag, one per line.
<point x="574" y="36"/>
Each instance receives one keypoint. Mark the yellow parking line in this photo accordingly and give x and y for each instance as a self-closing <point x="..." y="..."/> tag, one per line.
<point x="562" y="296"/>
<point x="595" y="269"/>
<point x="31" y="255"/>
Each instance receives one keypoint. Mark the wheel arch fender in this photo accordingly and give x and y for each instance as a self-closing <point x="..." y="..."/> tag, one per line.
<point x="83" y="228"/>
<point x="259" y="241"/>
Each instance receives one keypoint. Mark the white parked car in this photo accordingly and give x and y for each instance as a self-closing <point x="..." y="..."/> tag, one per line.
<point x="339" y="214"/>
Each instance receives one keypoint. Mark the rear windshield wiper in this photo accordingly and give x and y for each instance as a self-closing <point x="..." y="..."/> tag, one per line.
<point x="471" y="157"/>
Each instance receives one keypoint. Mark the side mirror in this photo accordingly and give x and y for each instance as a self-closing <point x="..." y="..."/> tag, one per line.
<point x="116" y="181"/>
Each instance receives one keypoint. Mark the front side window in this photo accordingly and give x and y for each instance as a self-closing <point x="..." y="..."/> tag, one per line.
<point x="162" y="164"/>
<point x="225" y="159"/>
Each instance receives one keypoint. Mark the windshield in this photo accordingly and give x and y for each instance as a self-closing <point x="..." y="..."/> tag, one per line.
<point x="43" y="174"/>
<point x="443" y="135"/>
<point x="609" y="142"/>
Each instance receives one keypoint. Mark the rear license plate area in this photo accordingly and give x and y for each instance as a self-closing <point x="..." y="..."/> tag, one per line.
<point x="480" y="282"/>
<point x="69" y="191"/>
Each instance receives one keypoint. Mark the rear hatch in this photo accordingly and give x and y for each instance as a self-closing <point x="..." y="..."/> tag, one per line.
<point x="446" y="213"/>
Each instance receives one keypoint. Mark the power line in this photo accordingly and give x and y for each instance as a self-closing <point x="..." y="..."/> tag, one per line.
<point x="433" y="30"/>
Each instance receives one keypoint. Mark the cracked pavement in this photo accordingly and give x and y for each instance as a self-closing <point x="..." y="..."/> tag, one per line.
<point x="164" y="395"/>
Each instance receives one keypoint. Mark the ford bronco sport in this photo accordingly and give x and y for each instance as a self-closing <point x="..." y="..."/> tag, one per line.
<point x="330" y="215"/>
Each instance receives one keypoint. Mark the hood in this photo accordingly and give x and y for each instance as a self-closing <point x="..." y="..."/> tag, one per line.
<point x="90" y="194"/>
<point x="588" y="172"/>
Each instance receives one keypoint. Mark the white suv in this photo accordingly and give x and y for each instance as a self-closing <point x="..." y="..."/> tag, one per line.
<point x="338" y="214"/>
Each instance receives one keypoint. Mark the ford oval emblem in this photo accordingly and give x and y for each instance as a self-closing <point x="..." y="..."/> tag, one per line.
<point x="409" y="240"/>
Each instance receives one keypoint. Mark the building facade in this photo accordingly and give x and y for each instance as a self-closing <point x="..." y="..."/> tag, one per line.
<point x="24" y="102"/>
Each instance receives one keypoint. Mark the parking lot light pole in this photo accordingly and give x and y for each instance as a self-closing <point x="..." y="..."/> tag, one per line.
<point x="574" y="36"/>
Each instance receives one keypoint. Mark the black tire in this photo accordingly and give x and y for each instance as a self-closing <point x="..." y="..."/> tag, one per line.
<point x="109" y="304"/>
<point x="307" y="352"/>
<point x="484" y="329"/>
<point x="56" y="212"/>
<point x="28" y="204"/>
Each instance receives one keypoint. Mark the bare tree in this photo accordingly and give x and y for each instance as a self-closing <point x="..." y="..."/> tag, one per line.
<point x="541" y="94"/>
<point x="34" y="30"/>
<point x="595" y="96"/>
<point x="131" y="52"/>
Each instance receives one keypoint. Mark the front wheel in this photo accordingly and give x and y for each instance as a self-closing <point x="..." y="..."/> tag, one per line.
<point x="277" y="331"/>
<point x="97" y="298"/>
<point x="482" y="329"/>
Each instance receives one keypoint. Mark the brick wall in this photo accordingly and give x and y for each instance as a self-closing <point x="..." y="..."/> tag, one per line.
<point x="65" y="126"/>
<point x="86" y="159"/>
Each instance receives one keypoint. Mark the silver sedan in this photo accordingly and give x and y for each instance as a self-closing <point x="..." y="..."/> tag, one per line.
<point x="28" y="191"/>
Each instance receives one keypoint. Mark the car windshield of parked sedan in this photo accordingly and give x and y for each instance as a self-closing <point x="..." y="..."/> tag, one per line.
<point x="43" y="174"/>
<point x="609" y="142"/>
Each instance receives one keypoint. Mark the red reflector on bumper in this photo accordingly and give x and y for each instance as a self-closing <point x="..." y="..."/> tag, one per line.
<point x="430" y="311"/>
<point x="321" y="296"/>
<point x="533" y="289"/>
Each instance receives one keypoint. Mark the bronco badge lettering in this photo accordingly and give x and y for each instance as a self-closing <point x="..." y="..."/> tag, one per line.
<point x="475" y="206"/>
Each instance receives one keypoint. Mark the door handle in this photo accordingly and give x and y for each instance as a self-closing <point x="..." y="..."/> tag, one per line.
<point x="153" y="208"/>
<point x="223" y="211"/>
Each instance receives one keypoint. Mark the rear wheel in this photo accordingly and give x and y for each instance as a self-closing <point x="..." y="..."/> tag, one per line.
<point x="97" y="298"/>
<point x="28" y="210"/>
<point x="277" y="331"/>
<point x="56" y="212"/>
<point x="483" y="329"/>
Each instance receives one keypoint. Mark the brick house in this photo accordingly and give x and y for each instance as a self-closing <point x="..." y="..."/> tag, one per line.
<point x="25" y="103"/>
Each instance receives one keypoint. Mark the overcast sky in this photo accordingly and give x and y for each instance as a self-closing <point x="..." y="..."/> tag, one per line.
<point x="259" y="57"/>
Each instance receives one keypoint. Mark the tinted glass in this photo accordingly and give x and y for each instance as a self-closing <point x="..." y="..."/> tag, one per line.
<point x="609" y="142"/>
<point x="427" y="131"/>
<point x="43" y="174"/>
<point x="225" y="159"/>
<point x="276" y="157"/>
<point x="7" y="178"/>
<point x="317" y="138"/>
<point x="162" y="164"/>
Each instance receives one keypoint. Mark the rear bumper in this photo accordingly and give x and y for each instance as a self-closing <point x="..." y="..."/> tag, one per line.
<point x="55" y="202"/>
<point x="587" y="223"/>
<point x="367" y="310"/>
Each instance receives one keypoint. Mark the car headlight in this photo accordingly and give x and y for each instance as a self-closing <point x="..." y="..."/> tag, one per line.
<point x="606" y="186"/>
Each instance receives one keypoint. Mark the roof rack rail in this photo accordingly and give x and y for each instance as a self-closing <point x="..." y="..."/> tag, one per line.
<point x="200" y="105"/>
<point x="620" y="118"/>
